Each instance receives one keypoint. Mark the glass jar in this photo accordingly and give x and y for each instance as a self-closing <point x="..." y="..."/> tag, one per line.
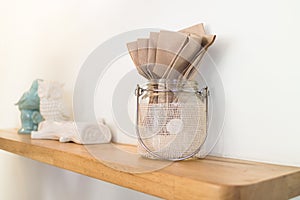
<point x="171" y="119"/>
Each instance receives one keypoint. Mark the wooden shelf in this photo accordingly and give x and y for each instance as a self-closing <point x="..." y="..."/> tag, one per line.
<point x="210" y="178"/>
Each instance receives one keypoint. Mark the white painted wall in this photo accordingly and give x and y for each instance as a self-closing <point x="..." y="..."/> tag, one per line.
<point x="257" y="56"/>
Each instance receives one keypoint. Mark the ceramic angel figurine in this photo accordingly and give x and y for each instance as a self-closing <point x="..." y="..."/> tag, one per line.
<point x="29" y="105"/>
<point x="57" y="125"/>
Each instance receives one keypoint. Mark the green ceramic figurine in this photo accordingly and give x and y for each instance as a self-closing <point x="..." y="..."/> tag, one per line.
<point x="29" y="105"/>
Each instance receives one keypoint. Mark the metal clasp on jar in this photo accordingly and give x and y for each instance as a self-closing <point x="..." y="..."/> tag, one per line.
<point x="204" y="93"/>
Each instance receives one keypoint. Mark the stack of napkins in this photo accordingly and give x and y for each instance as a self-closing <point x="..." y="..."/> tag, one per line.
<point x="169" y="54"/>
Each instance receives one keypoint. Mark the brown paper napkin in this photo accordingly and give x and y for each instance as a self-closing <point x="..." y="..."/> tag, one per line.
<point x="143" y="55"/>
<point x="152" y="46"/>
<point x="169" y="45"/>
<point x="133" y="51"/>
<point x="191" y="70"/>
<point x="185" y="57"/>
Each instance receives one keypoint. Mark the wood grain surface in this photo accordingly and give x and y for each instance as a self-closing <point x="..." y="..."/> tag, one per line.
<point x="210" y="178"/>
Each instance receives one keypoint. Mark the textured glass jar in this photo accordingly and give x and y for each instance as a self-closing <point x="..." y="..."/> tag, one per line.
<point x="171" y="119"/>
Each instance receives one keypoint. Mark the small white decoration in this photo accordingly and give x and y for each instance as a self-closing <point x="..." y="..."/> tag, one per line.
<point x="51" y="101"/>
<point x="68" y="131"/>
<point x="56" y="126"/>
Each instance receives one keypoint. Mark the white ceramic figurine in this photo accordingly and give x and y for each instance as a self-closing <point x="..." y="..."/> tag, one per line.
<point x="51" y="101"/>
<point x="56" y="125"/>
<point x="69" y="131"/>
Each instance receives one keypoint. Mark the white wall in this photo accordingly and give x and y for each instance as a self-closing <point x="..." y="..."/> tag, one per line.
<point x="256" y="54"/>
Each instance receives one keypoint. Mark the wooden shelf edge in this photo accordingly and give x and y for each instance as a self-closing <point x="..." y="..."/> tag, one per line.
<point x="212" y="178"/>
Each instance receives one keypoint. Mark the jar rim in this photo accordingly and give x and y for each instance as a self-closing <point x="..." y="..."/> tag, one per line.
<point x="170" y="85"/>
<point x="172" y="81"/>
